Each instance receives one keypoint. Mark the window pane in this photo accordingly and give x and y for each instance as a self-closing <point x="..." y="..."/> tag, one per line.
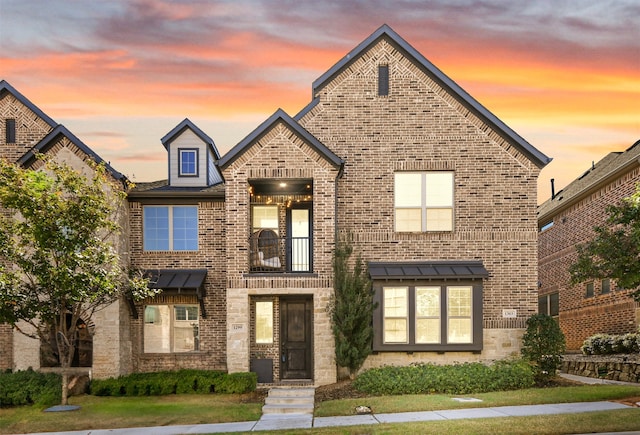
<point x="395" y="330"/>
<point x="185" y="228"/>
<point x="265" y="216"/>
<point x="188" y="162"/>
<point x="185" y="328"/>
<point x="554" y="304"/>
<point x="606" y="286"/>
<point x="157" y="333"/>
<point x="428" y="301"/>
<point x="439" y="189"/>
<point x="439" y="219"/>
<point x="156" y="228"/>
<point x="264" y="322"/>
<point x="428" y="330"/>
<point x="395" y="314"/>
<point x="543" y="306"/>
<point x="459" y="302"/>
<point x="408" y="189"/>
<point x="408" y="220"/>
<point x="459" y="331"/>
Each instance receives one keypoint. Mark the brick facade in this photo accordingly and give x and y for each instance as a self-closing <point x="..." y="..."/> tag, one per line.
<point x="574" y="212"/>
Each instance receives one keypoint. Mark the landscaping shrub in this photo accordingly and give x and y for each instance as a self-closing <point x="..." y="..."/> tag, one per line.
<point x="606" y="344"/>
<point x="30" y="388"/>
<point x="466" y="378"/>
<point x="179" y="382"/>
<point x="543" y="345"/>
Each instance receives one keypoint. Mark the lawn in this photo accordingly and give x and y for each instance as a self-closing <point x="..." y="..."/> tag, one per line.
<point x="115" y="412"/>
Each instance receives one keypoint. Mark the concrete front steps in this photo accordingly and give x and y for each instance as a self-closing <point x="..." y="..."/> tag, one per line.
<point x="289" y="400"/>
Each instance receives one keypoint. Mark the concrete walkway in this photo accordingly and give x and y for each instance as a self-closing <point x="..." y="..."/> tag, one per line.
<point x="307" y="421"/>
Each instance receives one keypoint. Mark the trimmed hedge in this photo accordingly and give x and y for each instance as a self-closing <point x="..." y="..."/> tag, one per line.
<point x="175" y="382"/>
<point x="606" y="344"/>
<point x="30" y="388"/>
<point x="467" y="378"/>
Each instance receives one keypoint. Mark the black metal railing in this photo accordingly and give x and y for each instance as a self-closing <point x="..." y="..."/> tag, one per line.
<point x="270" y="253"/>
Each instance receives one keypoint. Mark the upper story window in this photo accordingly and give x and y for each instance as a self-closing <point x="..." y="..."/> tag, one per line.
<point x="10" y="130"/>
<point x="423" y="201"/>
<point x="188" y="162"/>
<point x="170" y="228"/>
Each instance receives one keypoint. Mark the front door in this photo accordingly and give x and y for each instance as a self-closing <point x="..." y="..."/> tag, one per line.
<point x="295" y="335"/>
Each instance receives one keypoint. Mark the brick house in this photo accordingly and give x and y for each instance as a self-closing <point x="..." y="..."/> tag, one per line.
<point x="24" y="131"/>
<point x="567" y="219"/>
<point x="438" y="195"/>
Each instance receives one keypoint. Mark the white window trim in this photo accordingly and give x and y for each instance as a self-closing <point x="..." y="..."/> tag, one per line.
<point x="193" y="151"/>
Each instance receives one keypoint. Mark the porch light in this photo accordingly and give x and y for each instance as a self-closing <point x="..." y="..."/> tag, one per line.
<point x="283" y="184"/>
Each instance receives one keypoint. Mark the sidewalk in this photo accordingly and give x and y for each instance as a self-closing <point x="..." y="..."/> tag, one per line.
<point x="307" y="421"/>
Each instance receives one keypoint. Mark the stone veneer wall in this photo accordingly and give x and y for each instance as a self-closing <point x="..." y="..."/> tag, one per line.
<point x="419" y="127"/>
<point x="624" y="368"/>
<point x="211" y="255"/>
<point x="581" y="317"/>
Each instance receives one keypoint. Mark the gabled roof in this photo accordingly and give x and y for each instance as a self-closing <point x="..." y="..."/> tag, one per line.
<point x="178" y="129"/>
<point x="454" y="269"/>
<point x="53" y="137"/>
<point x="537" y="157"/>
<point x="610" y="167"/>
<point x="263" y="128"/>
<point x="5" y="87"/>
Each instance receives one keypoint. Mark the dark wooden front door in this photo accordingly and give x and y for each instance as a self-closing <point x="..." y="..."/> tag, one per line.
<point x="295" y="334"/>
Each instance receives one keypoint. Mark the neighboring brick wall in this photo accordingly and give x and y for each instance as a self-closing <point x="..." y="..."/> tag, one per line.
<point x="581" y="316"/>
<point x="211" y="256"/>
<point x="419" y="127"/>
<point x="30" y="129"/>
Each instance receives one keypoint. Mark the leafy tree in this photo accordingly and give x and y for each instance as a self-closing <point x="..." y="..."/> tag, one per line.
<point x="614" y="252"/>
<point x="58" y="262"/>
<point x="351" y="310"/>
<point x="543" y="344"/>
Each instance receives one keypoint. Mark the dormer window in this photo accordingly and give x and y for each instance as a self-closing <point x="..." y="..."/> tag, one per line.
<point x="188" y="162"/>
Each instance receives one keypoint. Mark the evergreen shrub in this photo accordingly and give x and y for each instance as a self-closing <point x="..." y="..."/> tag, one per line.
<point x="29" y="387"/>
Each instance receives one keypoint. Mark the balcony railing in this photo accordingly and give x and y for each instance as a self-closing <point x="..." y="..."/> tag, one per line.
<point x="269" y="253"/>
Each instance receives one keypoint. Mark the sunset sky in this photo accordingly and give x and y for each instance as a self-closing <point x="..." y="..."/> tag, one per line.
<point x="120" y="74"/>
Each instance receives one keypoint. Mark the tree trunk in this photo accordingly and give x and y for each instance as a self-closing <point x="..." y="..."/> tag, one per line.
<point x="65" y="387"/>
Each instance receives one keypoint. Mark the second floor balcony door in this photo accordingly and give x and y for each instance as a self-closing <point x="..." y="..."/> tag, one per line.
<point x="299" y="225"/>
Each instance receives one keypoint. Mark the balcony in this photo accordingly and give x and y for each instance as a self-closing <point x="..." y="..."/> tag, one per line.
<point x="269" y="253"/>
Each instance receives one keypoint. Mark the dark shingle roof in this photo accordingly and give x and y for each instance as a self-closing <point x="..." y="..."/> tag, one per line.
<point x="161" y="189"/>
<point x="453" y="269"/>
<point x="611" y="166"/>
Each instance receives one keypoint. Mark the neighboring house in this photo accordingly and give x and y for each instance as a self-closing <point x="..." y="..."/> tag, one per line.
<point x="568" y="219"/>
<point x="436" y="193"/>
<point x="24" y="131"/>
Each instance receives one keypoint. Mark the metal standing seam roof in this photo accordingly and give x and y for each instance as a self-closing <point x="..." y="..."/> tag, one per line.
<point x="177" y="279"/>
<point x="535" y="155"/>
<point x="454" y="269"/>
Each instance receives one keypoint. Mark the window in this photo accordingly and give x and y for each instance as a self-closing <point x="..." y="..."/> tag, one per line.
<point x="264" y="322"/>
<point x="265" y="217"/>
<point x="589" y="290"/>
<point x="549" y="304"/>
<point x="383" y="80"/>
<point x="546" y="226"/>
<point x="605" y="286"/>
<point x="170" y="228"/>
<point x="427" y="317"/>
<point x="188" y="162"/>
<point x="171" y="328"/>
<point x="10" y="130"/>
<point x="423" y="201"/>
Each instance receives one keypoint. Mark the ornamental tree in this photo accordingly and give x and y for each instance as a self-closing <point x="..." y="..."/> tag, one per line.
<point x="58" y="262"/>
<point x="614" y="252"/>
<point x="351" y="310"/>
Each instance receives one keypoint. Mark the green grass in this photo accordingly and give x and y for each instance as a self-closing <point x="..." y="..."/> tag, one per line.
<point x="118" y="412"/>
<point x="115" y="412"/>
<point x="432" y="402"/>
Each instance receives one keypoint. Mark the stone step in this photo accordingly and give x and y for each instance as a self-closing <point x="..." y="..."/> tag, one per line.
<point x="289" y="401"/>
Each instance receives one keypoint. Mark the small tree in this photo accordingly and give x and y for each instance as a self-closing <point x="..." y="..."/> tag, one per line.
<point x="58" y="263"/>
<point x="615" y="249"/>
<point x="351" y="310"/>
<point x="543" y="345"/>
